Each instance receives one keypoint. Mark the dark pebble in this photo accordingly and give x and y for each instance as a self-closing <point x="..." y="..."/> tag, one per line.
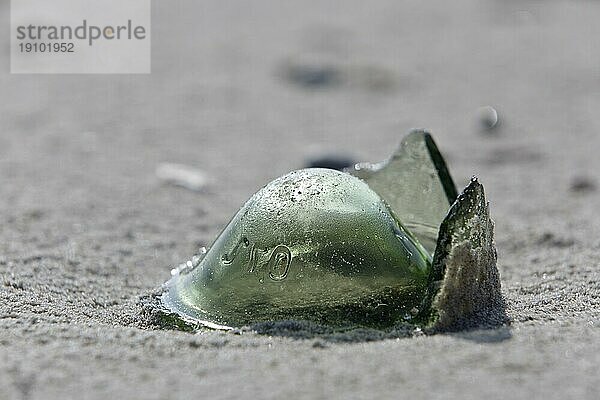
<point x="582" y="185"/>
<point x="331" y="161"/>
<point x="312" y="75"/>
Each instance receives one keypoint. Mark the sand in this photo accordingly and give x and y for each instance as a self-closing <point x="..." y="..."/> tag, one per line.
<point x="246" y="92"/>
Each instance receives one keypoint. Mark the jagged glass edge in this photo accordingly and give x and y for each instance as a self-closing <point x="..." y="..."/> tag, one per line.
<point x="442" y="168"/>
<point x="367" y="171"/>
<point x="474" y="193"/>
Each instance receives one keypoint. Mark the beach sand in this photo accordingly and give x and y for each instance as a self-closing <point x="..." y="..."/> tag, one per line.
<point x="247" y="91"/>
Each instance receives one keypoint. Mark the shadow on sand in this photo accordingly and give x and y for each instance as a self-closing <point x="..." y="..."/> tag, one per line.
<point x="490" y="326"/>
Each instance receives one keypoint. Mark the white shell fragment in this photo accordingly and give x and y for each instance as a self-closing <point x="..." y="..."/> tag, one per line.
<point x="182" y="175"/>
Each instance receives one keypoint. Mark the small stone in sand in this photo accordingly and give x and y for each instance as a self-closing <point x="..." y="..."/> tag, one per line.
<point x="487" y="118"/>
<point x="581" y="184"/>
<point x="311" y="72"/>
<point x="330" y="160"/>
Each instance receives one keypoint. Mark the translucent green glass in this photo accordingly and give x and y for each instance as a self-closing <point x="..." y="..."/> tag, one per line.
<point x="315" y="244"/>
<point x="372" y="246"/>
<point x="415" y="182"/>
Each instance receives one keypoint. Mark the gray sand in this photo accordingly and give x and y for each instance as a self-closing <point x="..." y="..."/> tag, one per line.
<point x="246" y="92"/>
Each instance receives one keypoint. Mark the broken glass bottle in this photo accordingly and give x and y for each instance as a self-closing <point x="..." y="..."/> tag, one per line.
<point x="370" y="247"/>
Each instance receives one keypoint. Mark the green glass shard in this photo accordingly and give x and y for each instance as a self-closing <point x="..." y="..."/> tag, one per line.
<point x="348" y="249"/>
<point x="416" y="184"/>
<point x="315" y="244"/>
<point x="464" y="279"/>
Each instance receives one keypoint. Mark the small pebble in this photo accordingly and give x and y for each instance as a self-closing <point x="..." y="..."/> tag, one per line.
<point x="487" y="118"/>
<point x="312" y="72"/>
<point x="331" y="161"/>
<point x="582" y="184"/>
